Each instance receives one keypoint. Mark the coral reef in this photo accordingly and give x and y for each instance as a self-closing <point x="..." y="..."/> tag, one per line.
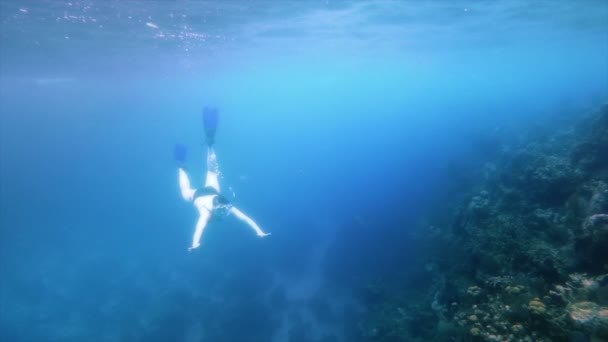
<point x="524" y="256"/>
<point x="511" y="312"/>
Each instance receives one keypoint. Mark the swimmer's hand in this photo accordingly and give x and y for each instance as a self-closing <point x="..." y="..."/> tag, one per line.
<point x="263" y="234"/>
<point x="194" y="247"/>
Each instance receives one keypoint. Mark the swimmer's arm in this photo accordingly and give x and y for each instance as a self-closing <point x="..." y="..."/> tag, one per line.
<point x="200" y="226"/>
<point x="239" y="214"/>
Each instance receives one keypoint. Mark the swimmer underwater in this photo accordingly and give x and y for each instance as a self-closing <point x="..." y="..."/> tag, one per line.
<point x="208" y="200"/>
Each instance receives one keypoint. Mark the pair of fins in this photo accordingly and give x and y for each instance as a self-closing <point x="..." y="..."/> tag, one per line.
<point x="210" y="121"/>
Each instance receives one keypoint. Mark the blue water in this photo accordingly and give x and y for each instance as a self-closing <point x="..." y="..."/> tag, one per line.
<point x="340" y="125"/>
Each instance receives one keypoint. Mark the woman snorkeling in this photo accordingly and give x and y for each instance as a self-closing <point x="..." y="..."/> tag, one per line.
<point x="208" y="200"/>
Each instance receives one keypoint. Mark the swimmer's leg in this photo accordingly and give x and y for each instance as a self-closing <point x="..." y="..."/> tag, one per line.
<point x="200" y="226"/>
<point x="213" y="170"/>
<point x="239" y="214"/>
<point x="184" y="185"/>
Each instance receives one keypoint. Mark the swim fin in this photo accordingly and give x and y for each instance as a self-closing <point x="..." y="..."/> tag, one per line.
<point x="210" y="120"/>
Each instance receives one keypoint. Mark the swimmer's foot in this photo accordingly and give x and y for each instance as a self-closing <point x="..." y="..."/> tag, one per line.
<point x="190" y="249"/>
<point x="263" y="234"/>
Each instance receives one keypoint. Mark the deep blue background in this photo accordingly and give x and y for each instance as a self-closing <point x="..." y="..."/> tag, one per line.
<point x="340" y="126"/>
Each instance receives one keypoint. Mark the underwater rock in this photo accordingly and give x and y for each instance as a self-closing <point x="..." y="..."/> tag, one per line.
<point x="479" y="204"/>
<point x="582" y="287"/>
<point x="499" y="281"/>
<point x="592" y="242"/>
<point x="598" y="203"/>
<point x="537" y="307"/>
<point x="474" y="291"/>
<point x="590" y="317"/>
<point x="517" y="328"/>
<point x="583" y="313"/>
<point x="601" y="293"/>
<point x="591" y="198"/>
<point x="548" y="179"/>
<point x="590" y="153"/>
<point x="596" y="227"/>
<point x="515" y="290"/>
